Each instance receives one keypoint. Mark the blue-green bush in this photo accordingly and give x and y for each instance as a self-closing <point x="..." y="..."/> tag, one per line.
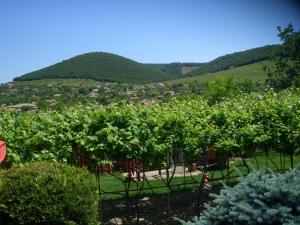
<point x="262" y="197"/>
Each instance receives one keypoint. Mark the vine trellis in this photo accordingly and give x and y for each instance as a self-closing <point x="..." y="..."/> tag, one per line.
<point x="205" y="182"/>
<point x="98" y="137"/>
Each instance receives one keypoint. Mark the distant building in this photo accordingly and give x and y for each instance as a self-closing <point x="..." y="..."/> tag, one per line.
<point x="107" y="89"/>
<point x="146" y="101"/>
<point x="57" y="95"/>
<point x="131" y="93"/>
<point x="10" y="85"/>
<point x="93" y="95"/>
<point x="134" y="98"/>
<point x="172" y="93"/>
<point x="159" y="85"/>
<point x="22" y="106"/>
<point x="188" y="69"/>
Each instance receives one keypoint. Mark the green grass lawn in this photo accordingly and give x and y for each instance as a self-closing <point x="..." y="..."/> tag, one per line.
<point x="260" y="161"/>
<point x="115" y="183"/>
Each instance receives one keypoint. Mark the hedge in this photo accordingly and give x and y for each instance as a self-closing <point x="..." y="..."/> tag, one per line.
<point x="48" y="193"/>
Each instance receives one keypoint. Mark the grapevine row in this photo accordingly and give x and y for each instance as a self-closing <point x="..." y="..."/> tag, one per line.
<point x="152" y="131"/>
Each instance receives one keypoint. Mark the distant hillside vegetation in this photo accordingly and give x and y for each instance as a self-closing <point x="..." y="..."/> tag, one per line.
<point x="102" y="66"/>
<point x="221" y="63"/>
<point x="99" y="66"/>
<point x="176" y="68"/>
<point x="252" y="72"/>
<point x="238" y="59"/>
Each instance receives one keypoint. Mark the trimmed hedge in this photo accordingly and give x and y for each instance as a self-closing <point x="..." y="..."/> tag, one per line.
<point x="48" y="193"/>
<point x="262" y="197"/>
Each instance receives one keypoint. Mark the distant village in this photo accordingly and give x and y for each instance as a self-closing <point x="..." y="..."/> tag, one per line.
<point x="30" y="96"/>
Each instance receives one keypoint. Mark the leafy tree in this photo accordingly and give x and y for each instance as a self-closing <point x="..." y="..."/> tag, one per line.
<point x="287" y="69"/>
<point x="83" y="90"/>
<point x="220" y="88"/>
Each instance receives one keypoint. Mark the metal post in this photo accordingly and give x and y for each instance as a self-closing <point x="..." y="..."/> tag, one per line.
<point x="167" y="168"/>
<point x="204" y="175"/>
<point x="99" y="192"/>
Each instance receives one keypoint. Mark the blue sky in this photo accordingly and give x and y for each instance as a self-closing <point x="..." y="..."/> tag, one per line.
<point x="38" y="33"/>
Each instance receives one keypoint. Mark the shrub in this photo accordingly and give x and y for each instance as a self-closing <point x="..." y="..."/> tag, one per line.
<point x="263" y="197"/>
<point x="48" y="193"/>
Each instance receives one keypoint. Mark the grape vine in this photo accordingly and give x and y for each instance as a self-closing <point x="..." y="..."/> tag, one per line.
<point x="150" y="132"/>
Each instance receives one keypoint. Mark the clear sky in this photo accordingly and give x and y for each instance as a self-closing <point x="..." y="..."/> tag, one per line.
<point x="38" y="33"/>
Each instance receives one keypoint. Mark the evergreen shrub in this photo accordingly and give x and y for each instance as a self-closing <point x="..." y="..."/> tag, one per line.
<point x="262" y="197"/>
<point x="48" y="193"/>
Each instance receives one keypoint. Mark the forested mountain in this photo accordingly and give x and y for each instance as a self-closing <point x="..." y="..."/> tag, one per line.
<point x="99" y="66"/>
<point x="221" y="63"/>
<point x="102" y="66"/>
<point x="238" y="59"/>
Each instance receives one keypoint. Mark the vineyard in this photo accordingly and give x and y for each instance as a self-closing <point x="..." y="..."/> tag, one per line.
<point x="242" y="125"/>
<point x="251" y="129"/>
<point x="193" y="128"/>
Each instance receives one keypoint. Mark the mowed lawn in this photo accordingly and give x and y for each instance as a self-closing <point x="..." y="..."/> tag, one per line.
<point x="115" y="183"/>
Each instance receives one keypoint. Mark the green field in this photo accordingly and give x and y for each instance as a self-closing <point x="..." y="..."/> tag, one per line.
<point x="253" y="72"/>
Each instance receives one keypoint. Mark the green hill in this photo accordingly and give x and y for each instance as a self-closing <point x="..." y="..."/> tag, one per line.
<point x="253" y="72"/>
<point x="99" y="66"/>
<point x="238" y="59"/>
<point x="53" y="92"/>
<point x="102" y="66"/>
<point x="221" y="63"/>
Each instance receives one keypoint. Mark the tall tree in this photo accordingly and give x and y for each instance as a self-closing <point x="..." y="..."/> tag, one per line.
<point x="286" y="72"/>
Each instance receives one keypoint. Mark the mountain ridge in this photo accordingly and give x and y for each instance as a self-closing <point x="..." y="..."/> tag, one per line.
<point x="238" y="59"/>
<point x="224" y="62"/>
<point x="102" y="66"/>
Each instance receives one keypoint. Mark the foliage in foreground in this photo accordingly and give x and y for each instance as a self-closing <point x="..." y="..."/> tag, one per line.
<point x="48" y="193"/>
<point x="151" y="132"/>
<point x="263" y="197"/>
